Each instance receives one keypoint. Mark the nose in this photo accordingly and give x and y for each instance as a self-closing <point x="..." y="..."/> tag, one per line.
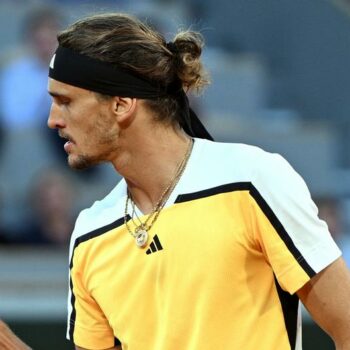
<point x="55" y="121"/>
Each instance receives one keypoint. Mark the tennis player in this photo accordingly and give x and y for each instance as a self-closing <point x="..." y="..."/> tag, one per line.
<point x="202" y="245"/>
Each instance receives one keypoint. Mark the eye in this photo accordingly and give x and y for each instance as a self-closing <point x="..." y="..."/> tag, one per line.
<point x="61" y="101"/>
<point x="65" y="102"/>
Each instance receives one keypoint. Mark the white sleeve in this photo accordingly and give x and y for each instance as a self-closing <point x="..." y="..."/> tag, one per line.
<point x="302" y="239"/>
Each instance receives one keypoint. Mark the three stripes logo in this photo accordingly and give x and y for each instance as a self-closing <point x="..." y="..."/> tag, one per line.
<point x="154" y="246"/>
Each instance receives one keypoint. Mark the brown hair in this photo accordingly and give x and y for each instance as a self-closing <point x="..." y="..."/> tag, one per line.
<point x="127" y="42"/>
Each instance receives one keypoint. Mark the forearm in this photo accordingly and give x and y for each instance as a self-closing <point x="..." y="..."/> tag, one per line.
<point x="9" y="341"/>
<point x="340" y="332"/>
<point x="340" y="345"/>
<point x="326" y="297"/>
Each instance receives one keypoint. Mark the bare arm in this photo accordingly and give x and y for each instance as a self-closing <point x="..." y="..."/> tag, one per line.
<point x="9" y="341"/>
<point x="327" y="297"/>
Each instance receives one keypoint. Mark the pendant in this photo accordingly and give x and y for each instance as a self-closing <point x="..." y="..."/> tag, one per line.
<point x="141" y="238"/>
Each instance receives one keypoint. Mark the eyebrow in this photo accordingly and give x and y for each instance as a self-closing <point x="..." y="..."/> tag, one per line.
<point x="56" y="94"/>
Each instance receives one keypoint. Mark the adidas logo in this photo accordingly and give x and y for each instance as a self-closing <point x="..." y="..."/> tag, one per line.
<point x="154" y="246"/>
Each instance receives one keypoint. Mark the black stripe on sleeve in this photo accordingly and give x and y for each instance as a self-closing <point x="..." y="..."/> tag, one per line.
<point x="281" y="231"/>
<point x="93" y="234"/>
<point x="289" y="304"/>
<point x="73" y="313"/>
<point x="236" y="186"/>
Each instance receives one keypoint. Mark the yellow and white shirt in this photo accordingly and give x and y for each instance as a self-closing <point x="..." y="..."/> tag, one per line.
<point x="237" y="238"/>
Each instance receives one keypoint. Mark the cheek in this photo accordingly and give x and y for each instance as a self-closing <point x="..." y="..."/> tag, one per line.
<point x="108" y="137"/>
<point x="106" y="129"/>
<point x="93" y="136"/>
<point x="83" y="123"/>
<point x="94" y="126"/>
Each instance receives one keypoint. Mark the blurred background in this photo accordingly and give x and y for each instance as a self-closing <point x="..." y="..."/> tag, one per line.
<point x="280" y="80"/>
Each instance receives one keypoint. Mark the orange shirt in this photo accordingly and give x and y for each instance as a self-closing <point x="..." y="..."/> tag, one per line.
<point x="237" y="238"/>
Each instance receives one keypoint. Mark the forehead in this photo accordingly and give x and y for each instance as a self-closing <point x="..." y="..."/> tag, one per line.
<point x="58" y="88"/>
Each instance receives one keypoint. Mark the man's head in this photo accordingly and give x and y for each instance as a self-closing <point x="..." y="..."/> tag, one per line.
<point x="131" y="47"/>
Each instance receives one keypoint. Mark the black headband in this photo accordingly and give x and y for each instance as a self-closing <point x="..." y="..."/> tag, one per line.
<point x="75" y="69"/>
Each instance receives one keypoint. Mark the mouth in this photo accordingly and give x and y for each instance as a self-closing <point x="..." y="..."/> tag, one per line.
<point x="68" y="145"/>
<point x="66" y="137"/>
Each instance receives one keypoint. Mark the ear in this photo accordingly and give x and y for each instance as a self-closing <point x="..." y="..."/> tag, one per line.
<point x="124" y="110"/>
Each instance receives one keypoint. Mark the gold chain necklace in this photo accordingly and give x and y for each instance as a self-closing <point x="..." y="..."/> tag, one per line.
<point x="141" y="230"/>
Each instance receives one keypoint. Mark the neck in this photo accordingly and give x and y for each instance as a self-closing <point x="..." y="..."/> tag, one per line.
<point x="149" y="165"/>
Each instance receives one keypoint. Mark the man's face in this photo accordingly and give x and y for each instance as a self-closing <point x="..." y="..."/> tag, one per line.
<point x="86" y="122"/>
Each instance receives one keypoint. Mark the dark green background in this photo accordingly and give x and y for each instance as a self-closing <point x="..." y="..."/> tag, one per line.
<point x="51" y="335"/>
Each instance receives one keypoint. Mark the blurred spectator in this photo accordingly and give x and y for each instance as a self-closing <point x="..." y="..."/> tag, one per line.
<point x="51" y="214"/>
<point x="24" y="106"/>
<point x="24" y="101"/>
<point x="329" y="210"/>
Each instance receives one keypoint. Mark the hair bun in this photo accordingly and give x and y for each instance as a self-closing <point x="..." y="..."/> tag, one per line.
<point x="189" y="68"/>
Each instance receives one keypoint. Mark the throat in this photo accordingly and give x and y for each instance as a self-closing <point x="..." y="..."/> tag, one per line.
<point x="145" y="207"/>
<point x="152" y="203"/>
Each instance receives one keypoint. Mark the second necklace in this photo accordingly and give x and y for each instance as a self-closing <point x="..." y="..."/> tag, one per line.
<point x="140" y="233"/>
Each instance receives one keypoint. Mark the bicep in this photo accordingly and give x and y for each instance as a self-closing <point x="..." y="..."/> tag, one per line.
<point x="327" y="298"/>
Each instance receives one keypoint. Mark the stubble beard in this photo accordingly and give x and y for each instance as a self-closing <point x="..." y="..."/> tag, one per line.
<point x="81" y="162"/>
<point x="103" y="138"/>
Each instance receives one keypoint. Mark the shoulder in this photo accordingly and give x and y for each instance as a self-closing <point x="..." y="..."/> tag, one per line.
<point x="273" y="172"/>
<point x="216" y="164"/>
<point x="235" y="155"/>
<point x="248" y="158"/>
<point x="230" y="149"/>
<point x="102" y="213"/>
<point x="238" y="161"/>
